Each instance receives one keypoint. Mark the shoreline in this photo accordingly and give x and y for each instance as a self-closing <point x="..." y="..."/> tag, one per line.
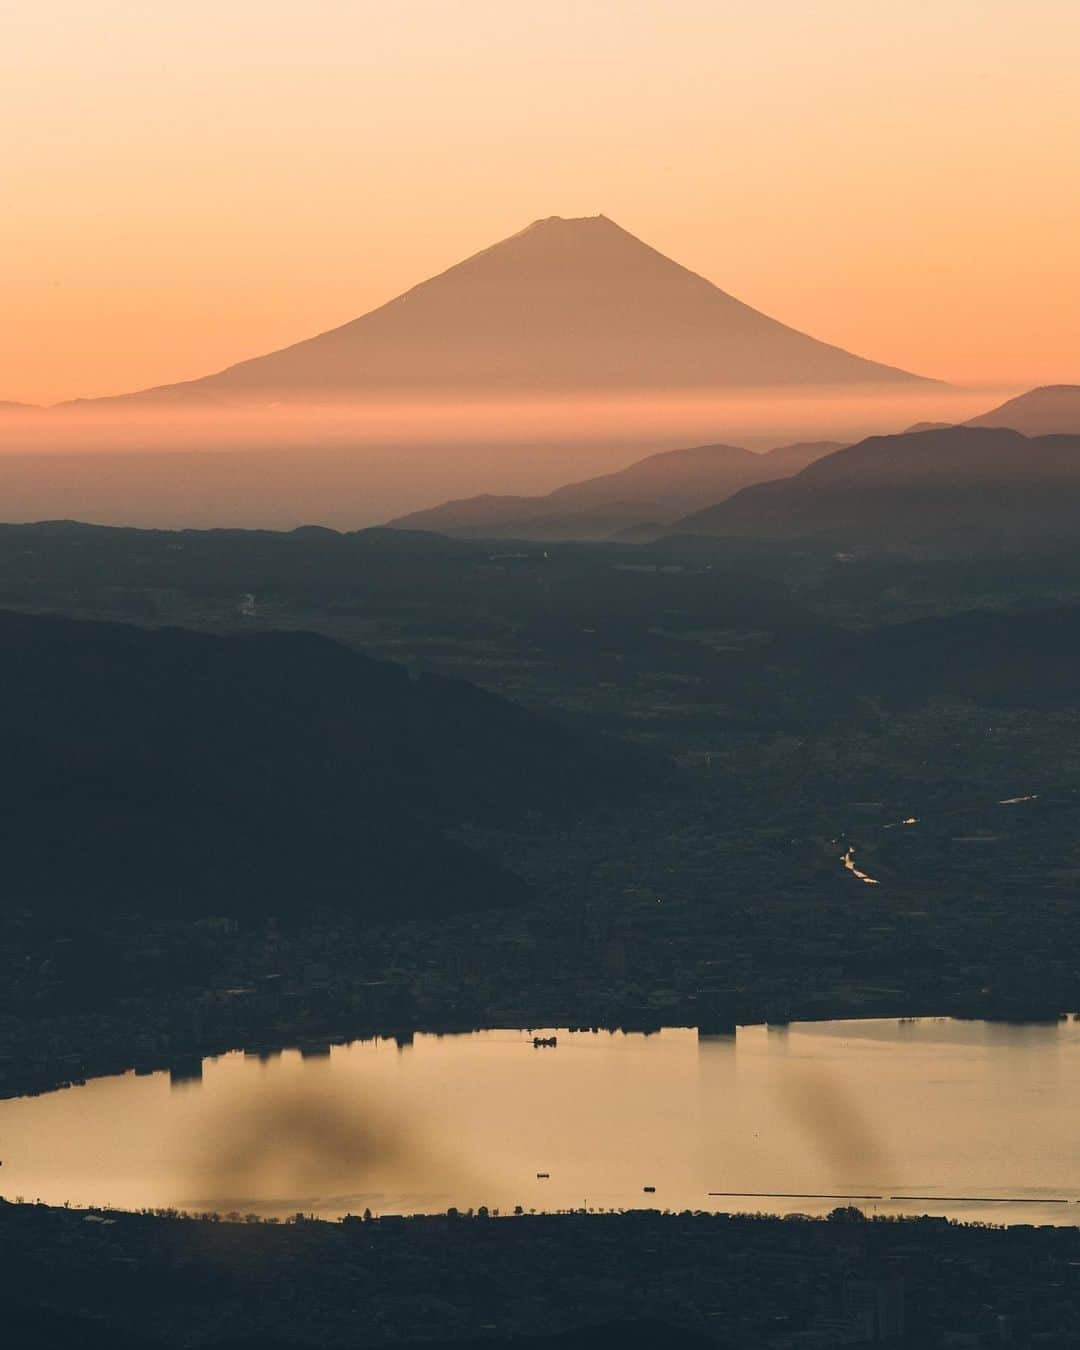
<point x="68" y="1068"/>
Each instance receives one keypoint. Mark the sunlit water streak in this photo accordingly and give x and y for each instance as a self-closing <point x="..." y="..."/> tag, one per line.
<point x="849" y="862"/>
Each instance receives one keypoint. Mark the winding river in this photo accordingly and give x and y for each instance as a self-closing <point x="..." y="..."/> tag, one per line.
<point x="848" y="857"/>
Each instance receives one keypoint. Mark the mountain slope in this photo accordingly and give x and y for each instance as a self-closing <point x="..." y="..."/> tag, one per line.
<point x="658" y="488"/>
<point x="957" y="487"/>
<point x="176" y="772"/>
<point x="788" y="459"/>
<point x="564" y="305"/>
<point x="1053" y="409"/>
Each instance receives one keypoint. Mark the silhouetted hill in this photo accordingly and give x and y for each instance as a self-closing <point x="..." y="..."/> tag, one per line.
<point x="179" y="772"/>
<point x="657" y="489"/>
<point x="564" y="305"/>
<point x="953" y="488"/>
<point x="1051" y="410"/>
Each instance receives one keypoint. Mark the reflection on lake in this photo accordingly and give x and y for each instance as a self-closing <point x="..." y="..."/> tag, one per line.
<point x="779" y="1119"/>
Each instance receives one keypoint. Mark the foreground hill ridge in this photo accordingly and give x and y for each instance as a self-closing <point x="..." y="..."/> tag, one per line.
<point x="565" y="304"/>
<point x="180" y="772"/>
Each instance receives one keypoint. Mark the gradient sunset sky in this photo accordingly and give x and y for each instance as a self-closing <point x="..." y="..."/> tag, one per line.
<point x="186" y="185"/>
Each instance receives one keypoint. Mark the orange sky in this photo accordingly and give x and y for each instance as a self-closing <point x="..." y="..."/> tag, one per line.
<point x="184" y="185"/>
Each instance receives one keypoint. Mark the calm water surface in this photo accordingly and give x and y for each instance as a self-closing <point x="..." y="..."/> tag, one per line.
<point x="953" y="1114"/>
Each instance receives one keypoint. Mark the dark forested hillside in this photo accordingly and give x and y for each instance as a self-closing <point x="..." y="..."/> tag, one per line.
<point x="170" y="771"/>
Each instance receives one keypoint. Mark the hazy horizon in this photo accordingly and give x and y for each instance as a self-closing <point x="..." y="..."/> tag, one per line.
<point x="349" y="466"/>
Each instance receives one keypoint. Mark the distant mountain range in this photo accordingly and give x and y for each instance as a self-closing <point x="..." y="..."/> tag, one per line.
<point x="952" y="488"/>
<point x="168" y="771"/>
<point x="655" y="490"/>
<point x="574" y="305"/>
<point x="643" y="500"/>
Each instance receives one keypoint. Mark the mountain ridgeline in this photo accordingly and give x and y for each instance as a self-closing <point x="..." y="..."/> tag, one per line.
<point x="652" y="491"/>
<point x="1050" y="410"/>
<point x="946" y="489"/>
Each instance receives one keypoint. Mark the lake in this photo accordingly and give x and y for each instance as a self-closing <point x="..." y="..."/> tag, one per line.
<point x="970" y="1119"/>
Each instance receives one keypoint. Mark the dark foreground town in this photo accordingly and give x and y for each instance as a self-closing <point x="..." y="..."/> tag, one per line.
<point x="107" y="1279"/>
